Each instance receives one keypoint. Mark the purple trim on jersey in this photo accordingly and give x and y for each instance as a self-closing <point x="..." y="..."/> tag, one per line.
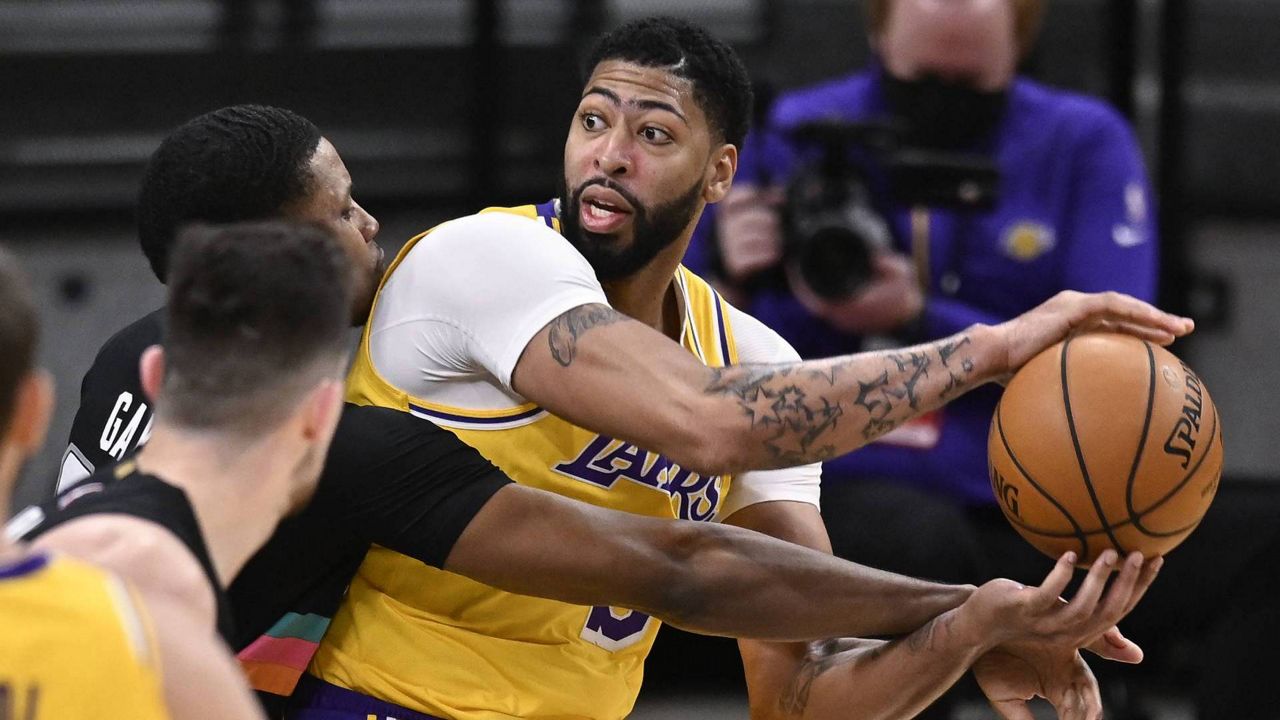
<point x="724" y="335"/>
<point x="316" y="699"/>
<point x="547" y="211"/>
<point x="468" y="419"/>
<point x="25" y="566"/>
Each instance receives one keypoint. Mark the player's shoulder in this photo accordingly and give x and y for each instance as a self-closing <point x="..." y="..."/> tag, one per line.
<point x="497" y="246"/>
<point x="127" y="344"/>
<point x="499" y="223"/>
<point x="138" y="550"/>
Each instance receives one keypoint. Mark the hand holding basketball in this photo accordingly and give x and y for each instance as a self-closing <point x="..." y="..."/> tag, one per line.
<point x="1071" y="312"/>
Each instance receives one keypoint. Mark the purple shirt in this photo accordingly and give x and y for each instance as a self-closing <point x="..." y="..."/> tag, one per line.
<point x="1074" y="212"/>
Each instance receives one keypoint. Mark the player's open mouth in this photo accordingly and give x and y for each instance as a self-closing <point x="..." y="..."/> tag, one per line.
<point x="603" y="210"/>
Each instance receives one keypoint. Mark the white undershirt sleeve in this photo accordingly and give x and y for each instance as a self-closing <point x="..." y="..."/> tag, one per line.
<point x="757" y="343"/>
<point x="468" y="297"/>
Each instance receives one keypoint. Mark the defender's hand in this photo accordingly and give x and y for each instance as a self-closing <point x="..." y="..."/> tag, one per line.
<point x="1011" y="677"/>
<point x="1071" y="312"/>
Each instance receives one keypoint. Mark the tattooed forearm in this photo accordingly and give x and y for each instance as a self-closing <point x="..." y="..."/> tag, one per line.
<point x="822" y="655"/>
<point x="947" y="348"/>
<point x="917" y="364"/>
<point x="926" y="638"/>
<point x="796" y="409"/>
<point x="564" y="331"/>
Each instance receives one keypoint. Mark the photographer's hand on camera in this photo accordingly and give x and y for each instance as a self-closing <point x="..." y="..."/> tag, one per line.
<point x="749" y="231"/>
<point x="889" y="301"/>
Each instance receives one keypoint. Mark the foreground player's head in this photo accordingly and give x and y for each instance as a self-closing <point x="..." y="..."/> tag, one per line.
<point x="255" y="341"/>
<point x="26" y="394"/>
<point x="663" y="111"/>
<point x="252" y="162"/>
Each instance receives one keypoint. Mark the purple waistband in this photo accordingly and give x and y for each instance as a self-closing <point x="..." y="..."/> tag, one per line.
<point x="316" y="699"/>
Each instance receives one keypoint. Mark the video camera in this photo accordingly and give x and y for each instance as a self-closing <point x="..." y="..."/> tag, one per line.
<point x="831" y="227"/>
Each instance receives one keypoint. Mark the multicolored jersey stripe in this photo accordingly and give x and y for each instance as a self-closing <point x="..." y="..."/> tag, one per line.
<point x="276" y="660"/>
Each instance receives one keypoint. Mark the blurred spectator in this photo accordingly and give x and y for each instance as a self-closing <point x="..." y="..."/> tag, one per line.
<point x="1072" y="210"/>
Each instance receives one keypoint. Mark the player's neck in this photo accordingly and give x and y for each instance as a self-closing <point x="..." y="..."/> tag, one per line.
<point x="238" y="490"/>
<point x="648" y="295"/>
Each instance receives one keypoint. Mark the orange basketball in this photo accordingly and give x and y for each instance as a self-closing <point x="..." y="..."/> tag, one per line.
<point x="1105" y="441"/>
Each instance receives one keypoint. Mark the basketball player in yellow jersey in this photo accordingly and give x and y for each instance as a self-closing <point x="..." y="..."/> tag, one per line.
<point x="566" y="343"/>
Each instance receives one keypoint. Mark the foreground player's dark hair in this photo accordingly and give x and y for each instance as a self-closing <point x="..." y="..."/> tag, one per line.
<point x="238" y="163"/>
<point x="19" y="332"/>
<point x="257" y="315"/>
<point x="721" y="85"/>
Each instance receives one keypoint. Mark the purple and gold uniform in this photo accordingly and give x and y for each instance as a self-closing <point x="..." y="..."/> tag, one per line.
<point x="74" y="643"/>
<point x="447" y="646"/>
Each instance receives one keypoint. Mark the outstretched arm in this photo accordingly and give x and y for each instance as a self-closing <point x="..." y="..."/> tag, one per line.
<point x="1035" y="633"/>
<point x="592" y="360"/>
<point x="704" y="577"/>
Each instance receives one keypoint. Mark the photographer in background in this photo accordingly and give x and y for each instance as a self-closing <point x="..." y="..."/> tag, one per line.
<point x="1071" y="210"/>
<point x="934" y="243"/>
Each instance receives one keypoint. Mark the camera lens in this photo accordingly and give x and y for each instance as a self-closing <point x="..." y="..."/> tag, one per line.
<point x="834" y="261"/>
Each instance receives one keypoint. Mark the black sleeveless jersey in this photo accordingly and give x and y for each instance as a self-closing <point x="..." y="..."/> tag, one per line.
<point x="124" y="490"/>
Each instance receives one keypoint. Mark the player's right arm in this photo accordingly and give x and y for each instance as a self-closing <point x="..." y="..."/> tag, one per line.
<point x="591" y="361"/>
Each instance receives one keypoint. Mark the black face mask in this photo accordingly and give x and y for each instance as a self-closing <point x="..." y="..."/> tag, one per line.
<point x="944" y="114"/>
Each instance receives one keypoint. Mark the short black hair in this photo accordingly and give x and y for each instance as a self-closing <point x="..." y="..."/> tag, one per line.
<point x="257" y="314"/>
<point x="721" y="85"/>
<point x="19" y="334"/>
<point x="237" y="163"/>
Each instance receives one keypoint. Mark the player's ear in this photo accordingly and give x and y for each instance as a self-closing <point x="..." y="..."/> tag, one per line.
<point x="321" y="409"/>
<point x="724" y="164"/>
<point x="151" y="370"/>
<point x="32" y="409"/>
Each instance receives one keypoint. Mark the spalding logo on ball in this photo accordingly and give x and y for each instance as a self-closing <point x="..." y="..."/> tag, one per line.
<point x="1105" y="441"/>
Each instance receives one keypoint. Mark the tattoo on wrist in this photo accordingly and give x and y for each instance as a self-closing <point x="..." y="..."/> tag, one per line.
<point x="822" y="655"/>
<point x="926" y="637"/>
<point x="564" y="332"/>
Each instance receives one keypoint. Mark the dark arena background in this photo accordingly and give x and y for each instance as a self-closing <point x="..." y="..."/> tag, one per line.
<point x="441" y="107"/>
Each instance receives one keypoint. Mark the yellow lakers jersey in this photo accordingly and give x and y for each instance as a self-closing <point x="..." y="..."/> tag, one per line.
<point x="441" y="644"/>
<point x="74" y="643"/>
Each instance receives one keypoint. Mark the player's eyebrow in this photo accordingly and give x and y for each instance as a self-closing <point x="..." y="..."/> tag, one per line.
<point x="643" y="104"/>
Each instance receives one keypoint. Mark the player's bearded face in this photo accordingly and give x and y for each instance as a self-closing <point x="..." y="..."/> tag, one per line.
<point x="652" y="228"/>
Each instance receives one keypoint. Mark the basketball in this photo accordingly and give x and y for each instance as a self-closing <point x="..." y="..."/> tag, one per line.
<point x="1105" y="441"/>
